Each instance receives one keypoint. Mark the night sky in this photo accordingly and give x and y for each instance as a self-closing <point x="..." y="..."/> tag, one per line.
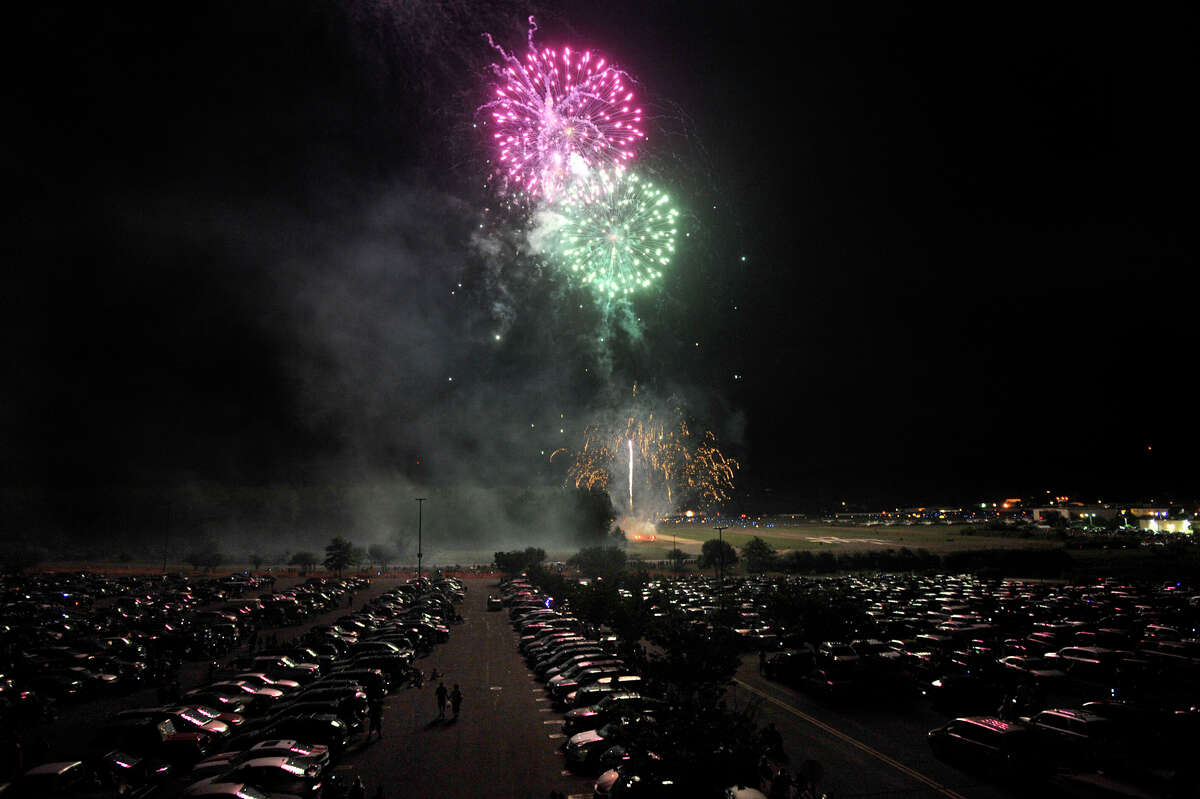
<point x="938" y="254"/>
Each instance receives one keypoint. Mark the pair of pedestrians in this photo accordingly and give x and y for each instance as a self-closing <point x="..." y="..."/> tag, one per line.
<point x="454" y="695"/>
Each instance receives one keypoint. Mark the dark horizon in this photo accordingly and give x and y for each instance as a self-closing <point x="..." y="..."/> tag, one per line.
<point x="934" y="255"/>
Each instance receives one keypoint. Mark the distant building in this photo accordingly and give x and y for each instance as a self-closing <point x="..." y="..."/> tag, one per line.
<point x="1160" y="525"/>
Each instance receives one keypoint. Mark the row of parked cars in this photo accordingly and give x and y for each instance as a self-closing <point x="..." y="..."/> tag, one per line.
<point x="606" y="703"/>
<point x="271" y="721"/>
<point x="1038" y="679"/>
<point x="68" y="638"/>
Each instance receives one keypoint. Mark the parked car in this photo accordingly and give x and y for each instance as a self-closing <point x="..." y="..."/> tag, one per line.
<point x="306" y="754"/>
<point x="1076" y="738"/>
<point x="614" y="705"/>
<point x="276" y="775"/>
<point x="984" y="742"/>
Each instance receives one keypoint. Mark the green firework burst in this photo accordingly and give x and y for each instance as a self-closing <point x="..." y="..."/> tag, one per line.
<point x="616" y="233"/>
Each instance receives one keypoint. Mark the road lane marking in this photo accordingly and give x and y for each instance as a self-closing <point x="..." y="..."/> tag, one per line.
<point x="554" y="721"/>
<point x="554" y="735"/>
<point x="836" y="733"/>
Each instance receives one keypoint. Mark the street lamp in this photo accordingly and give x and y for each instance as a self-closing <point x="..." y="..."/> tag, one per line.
<point x="420" y="515"/>
<point x="721" y="562"/>
<point x="675" y="553"/>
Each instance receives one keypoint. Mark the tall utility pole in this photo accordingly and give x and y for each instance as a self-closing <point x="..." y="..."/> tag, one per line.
<point x="420" y="516"/>
<point x="721" y="560"/>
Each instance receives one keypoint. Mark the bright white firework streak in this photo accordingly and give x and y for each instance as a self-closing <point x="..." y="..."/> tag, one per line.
<point x="629" y="441"/>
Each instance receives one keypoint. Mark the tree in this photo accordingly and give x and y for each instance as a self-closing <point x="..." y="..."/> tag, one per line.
<point x="205" y="555"/>
<point x="605" y="562"/>
<point x="358" y="556"/>
<point x="256" y="559"/>
<point x="677" y="558"/>
<point x="717" y="553"/>
<point x="594" y="514"/>
<point x="759" y="555"/>
<point x="305" y="559"/>
<point x="381" y="555"/>
<point x="517" y="561"/>
<point x="338" y="554"/>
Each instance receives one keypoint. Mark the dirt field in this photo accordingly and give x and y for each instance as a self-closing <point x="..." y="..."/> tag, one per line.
<point x="938" y="539"/>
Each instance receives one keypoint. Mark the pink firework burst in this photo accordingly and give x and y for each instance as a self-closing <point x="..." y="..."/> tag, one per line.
<point x="558" y="114"/>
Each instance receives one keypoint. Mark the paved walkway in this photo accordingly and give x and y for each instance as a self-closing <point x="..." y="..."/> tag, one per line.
<point x="504" y="743"/>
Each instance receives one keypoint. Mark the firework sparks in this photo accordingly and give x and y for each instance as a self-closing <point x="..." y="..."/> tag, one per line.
<point x="677" y="465"/>
<point x="558" y="114"/>
<point x="615" y="232"/>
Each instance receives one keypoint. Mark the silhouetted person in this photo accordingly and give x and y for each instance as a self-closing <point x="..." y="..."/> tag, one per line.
<point x="441" y="700"/>
<point x="375" y="713"/>
<point x="357" y="789"/>
<point x="455" y="700"/>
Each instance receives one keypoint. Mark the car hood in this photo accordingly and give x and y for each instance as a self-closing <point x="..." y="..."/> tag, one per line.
<point x="581" y="713"/>
<point x="585" y="738"/>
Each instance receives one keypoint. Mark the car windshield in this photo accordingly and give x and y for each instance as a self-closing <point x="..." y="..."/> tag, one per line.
<point x="287" y="661"/>
<point x="250" y="792"/>
<point x="193" y="717"/>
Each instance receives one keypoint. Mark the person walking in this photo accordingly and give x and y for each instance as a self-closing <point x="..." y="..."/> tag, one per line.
<point x="455" y="699"/>
<point x="375" y="714"/>
<point x="357" y="789"/>
<point x="441" y="700"/>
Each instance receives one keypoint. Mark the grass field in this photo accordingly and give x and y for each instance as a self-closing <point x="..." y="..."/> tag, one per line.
<point x="819" y="538"/>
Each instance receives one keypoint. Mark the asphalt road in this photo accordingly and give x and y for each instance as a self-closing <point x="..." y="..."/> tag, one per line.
<point x="864" y="750"/>
<point x="505" y="743"/>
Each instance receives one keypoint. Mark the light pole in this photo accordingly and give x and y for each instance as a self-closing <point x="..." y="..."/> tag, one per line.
<point x="675" y="553"/>
<point x="721" y="562"/>
<point x="420" y="516"/>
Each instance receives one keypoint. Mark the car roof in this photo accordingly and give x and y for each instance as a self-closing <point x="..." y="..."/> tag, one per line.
<point x="269" y="761"/>
<point x="1081" y="715"/>
<point x="53" y="768"/>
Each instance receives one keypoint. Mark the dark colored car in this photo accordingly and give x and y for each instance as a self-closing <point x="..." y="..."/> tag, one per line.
<point x="320" y="728"/>
<point x="184" y="718"/>
<point x="591" y="694"/>
<point x="1076" y="738"/>
<point x="963" y="694"/>
<point x="583" y="750"/>
<point x="617" y="704"/>
<point x="789" y="665"/>
<point x="984" y="742"/>
<point x="276" y="775"/>
<point x="305" y="754"/>
<point x="154" y="740"/>
<point x="376" y="681"/>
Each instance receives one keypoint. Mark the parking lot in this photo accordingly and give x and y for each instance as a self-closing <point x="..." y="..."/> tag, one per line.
<point x="852" y="673"/>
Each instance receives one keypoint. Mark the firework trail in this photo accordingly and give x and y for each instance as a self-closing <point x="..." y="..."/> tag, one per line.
<point x="629" y="441"/>
<point x="557" y="114"/>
